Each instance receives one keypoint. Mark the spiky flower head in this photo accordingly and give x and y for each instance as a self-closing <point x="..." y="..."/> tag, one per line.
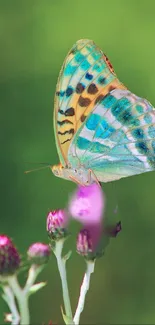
<point x="87" y="243"/>
<point x="38" y="253"/>
<point x="84" y="244"/>
<point x="56" y="224"/>
<point x="9" y="256"/>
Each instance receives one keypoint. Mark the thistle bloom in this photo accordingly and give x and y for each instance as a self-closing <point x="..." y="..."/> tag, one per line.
<point x="9" y="256"/>
<point x="38" y="253"/>
<point x="56" y="224"/>
<point x="87" y="204"/>
<point x="84" y="243"/>
<point x="87" y="243"/>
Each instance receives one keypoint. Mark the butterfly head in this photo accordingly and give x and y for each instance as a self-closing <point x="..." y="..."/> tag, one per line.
<point x="80" y="175"/>
<point x="57" y="170"/>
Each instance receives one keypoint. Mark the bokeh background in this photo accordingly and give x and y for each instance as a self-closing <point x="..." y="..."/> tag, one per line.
<point x="35" y="36"/>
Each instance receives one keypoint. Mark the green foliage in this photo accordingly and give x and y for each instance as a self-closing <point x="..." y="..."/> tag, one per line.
<point x="35" y="37"/>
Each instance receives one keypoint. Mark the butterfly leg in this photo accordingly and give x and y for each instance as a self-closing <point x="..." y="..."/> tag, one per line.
<point x="91" y="176"/>
<point x="73" y="179"/>
<point x="91" y="173"/>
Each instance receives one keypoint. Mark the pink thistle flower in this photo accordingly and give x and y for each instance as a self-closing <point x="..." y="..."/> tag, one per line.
<point x="84" y="244"/>
<point x="87" y="242"/>
<point x="87" y="204"/>
<point x="56" y="224"/>
<point x="9" y="256"/>
<point x="38" y="253"/>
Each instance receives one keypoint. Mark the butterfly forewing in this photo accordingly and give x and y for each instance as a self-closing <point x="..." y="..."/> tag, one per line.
<point x="85" y="78"/>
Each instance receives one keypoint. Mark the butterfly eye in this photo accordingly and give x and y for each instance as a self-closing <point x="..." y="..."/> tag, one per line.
<point x="55" y="171"/>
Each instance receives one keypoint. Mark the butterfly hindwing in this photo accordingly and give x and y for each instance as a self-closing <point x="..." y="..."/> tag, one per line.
<point x="118" y="137"/>
<point x="85" y="78"/>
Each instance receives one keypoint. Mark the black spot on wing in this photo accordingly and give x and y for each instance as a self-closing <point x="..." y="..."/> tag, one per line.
<point x="102" y="80"/>
<point x="69" y="112"/>
<point x="73" y="50"/>
<point x="92" y="89"/>
<point x="99" y="99"/>
<point x="142" y="147"/>
<point x="79" y="88"/>
<point x="66" y="141"/>
<point x="88" y="76"/>
<point x="60" y="93"/>
<point x="64" y="122"/>
<point x="84" y="102"/>
<point x="69" y="91"/>
<point x="71" y="131"/>
<point x="83" y="117"/>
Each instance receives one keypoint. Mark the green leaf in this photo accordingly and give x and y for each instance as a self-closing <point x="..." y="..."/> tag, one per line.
<point x="37" y="287"/>
<point x="67" y="320"/>
<point x="67" y="256"/>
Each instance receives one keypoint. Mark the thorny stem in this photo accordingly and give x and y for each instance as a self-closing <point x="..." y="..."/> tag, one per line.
<point x="10" y="300"/>
<point x="62" y="270"/>
<point x="84" y="288"/>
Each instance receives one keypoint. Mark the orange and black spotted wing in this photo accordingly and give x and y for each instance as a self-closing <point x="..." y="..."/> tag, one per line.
<point x="85" y="78"/>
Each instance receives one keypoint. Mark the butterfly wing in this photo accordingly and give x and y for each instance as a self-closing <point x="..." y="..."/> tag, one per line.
<point x="85" y="78"/>
<point x="117" y="139"/>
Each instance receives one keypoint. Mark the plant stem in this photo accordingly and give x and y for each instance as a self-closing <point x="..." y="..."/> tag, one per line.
<point x="32" y="275"/>
<point x="10" y="300"/>
<point x="22" y="299"/>
<point x="22" y="294"/>
<point x="84" y="288"/>
<point x="24" y="310"/>
<point x="62" y="270"/>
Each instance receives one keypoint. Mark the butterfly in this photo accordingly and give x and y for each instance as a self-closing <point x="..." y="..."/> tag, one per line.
<point x="103" y="131"/>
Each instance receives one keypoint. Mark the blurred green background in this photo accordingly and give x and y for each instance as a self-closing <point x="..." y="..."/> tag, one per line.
<point x="35" y="37"/>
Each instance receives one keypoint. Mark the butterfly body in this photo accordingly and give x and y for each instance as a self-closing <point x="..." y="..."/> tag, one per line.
<point x="78" y="175"/>
<point x="103" y="131"/>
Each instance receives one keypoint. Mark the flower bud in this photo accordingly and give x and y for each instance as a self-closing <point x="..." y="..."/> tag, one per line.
<point x="56" y="223"/>
<point x="84" y="243"/>
<point x="87" y="243"/>
<point x="9" y="257"/>
<point x="38" y="253"/>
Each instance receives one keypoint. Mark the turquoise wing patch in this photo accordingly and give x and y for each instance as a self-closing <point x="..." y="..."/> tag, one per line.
<point x="117" y="139"/>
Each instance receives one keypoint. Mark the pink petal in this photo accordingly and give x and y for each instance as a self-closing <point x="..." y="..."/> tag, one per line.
<point x="87" y="204"/>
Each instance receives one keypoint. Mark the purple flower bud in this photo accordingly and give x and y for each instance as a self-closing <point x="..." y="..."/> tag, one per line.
<point x="38" y="253"/>
<point x="84" y="244"/>
<point x="56" y="224"/>
<point x="87" y="242"/>
<point x="87" y="204"/>
<point x="9" y="256"/>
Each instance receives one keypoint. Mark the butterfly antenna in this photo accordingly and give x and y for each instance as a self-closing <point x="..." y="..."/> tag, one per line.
<point x="37" y="163"/>
<point x="36" y="169"/>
